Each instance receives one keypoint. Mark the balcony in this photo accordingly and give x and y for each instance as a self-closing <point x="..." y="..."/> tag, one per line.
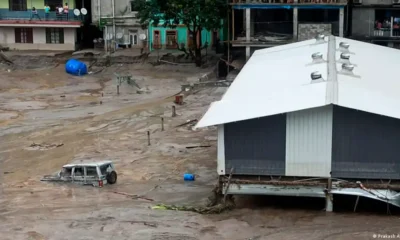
<point x="266" y="34"/>
<point x="25" y="18"/>
<point x="386" y="30"/>
<point x="294" y="2"/>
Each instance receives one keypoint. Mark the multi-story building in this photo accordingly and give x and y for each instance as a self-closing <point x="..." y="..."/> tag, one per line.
<point x="161" y="37"/>
<point x="117" y="19"/>
<point x="266" y="23"/>
<point x="376" y="21"/>
<point x="24" y="25"/>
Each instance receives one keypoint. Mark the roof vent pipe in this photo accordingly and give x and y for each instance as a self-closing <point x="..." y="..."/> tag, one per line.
<point x="347" y="67"/>
<point x="317" y="57"/>
<point x="320" y="38"/>
<point x="344" y="47"/>
<point x="316" y="76"/>
<point x="345" y="56"/>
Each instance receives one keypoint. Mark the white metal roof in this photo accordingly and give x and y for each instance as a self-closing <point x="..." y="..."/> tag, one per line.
<point x="278" y="80"/>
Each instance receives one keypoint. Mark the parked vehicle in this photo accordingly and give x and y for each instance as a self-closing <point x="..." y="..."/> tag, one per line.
<point x="97" y="174"/>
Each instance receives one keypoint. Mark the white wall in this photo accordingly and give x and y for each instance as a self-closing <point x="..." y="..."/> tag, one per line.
<point x="7" y="39"/>
<point x="7" y="36"/>
<point x="309" y="142"/>
<point x="221" y="150"/>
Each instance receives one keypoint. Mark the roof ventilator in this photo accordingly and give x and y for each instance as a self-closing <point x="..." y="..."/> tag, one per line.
<point x="316" y="77"/>
<point x="345" y="58"/>
<point x="320" y="38"/>
<point x="317" y="58"/>
<point x="347" y="69"/>
<point x="344" y="48"/>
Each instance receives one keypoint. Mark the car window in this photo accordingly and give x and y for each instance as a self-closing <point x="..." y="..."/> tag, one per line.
<point x="78" y="171"/>
<point x="91" y="171"/>
<point x="66" y="172"/>
<point x="103" y="169"/>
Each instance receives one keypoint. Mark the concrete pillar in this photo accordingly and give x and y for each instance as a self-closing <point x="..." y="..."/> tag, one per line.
<point x="248" y="31"/>
<point x="244" y="19"/>
<point x="341" y="22"/>
<point x="248" y="24"/>
<point x="329" y="203"/>
<point x="329" y="196"/>
<point x="295" y="23"/>
<point x="252" y="21"/>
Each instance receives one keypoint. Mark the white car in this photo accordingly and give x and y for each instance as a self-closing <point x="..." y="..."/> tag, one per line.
<point x="97" y="174"/>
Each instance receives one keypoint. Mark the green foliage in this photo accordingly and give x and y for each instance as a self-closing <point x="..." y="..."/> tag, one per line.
<point x="195" y="14"/>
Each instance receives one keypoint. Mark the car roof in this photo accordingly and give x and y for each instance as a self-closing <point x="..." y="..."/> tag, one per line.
<point x="87" y="164"/>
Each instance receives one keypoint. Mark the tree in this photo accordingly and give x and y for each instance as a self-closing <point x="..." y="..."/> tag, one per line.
<point x="195" y="14"/>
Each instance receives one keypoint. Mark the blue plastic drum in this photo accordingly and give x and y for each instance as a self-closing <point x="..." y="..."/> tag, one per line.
<point x="188" y="177"/>
<point x="76" y="67"/>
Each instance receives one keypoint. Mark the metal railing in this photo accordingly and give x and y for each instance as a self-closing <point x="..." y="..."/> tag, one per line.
<point x="288" y="2"/>
<point x="41" y="15"/>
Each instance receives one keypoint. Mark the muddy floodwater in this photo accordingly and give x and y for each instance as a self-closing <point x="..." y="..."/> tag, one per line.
<point x="84" y="119"/>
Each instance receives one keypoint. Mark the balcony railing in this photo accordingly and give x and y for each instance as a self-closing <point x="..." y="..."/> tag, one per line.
<point x="387" y="30"/>
<point x="288" y="1"/>
<point x="51" y="16"/>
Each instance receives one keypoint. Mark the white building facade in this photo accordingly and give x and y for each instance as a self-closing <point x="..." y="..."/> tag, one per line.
<point x="117" y="19"/>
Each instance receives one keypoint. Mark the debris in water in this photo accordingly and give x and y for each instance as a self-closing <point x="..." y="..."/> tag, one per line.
<point x="44" y="146"/>
<point x="188" y="122"/>
<point x="134" y="196"/>
<point x="219" y="208"/>
<point x="201" y="146"/>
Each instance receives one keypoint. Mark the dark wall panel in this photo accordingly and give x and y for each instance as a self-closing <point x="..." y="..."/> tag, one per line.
<point x="256" y="146"/>
<point x="365" y="145"/>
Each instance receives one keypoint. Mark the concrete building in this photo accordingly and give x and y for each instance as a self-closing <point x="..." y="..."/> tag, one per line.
<point x="117" y="19"/>
<point x="55" y="31"/>
<point x="265" y="23"/>
<point x="328" y="126"/>
<point x="161" y="37"/>
<point x="376" y="21"/>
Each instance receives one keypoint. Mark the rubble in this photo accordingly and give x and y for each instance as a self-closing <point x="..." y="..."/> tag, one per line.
<point x="44" y="146"/>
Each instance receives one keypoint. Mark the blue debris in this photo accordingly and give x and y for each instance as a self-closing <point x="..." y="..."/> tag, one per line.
<point x="188" y="177"/>
<point x="76" y="67"/>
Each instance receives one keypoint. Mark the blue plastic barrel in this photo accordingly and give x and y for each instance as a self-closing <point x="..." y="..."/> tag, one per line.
<point x="188" y="177"/>
<point x="76" y="67"/>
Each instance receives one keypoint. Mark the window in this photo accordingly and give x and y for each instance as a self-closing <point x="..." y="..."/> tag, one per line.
<point x="23" y="35"/>
<point x="54" y="35"/>
<point x="54" y="3"/>
<point x="104" y="168"/>
<point x="91" y="171"/>
<point x="17" y="5"/>
<point x="171" y="39"/>
<point x="79" y="171"/>
<point x="133" y="6"/>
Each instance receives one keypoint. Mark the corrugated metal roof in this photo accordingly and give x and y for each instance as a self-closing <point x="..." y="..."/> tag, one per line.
<point x="278" y="80"/>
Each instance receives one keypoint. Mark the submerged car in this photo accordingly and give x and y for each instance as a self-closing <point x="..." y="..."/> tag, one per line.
<point x="96" y="174"/>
